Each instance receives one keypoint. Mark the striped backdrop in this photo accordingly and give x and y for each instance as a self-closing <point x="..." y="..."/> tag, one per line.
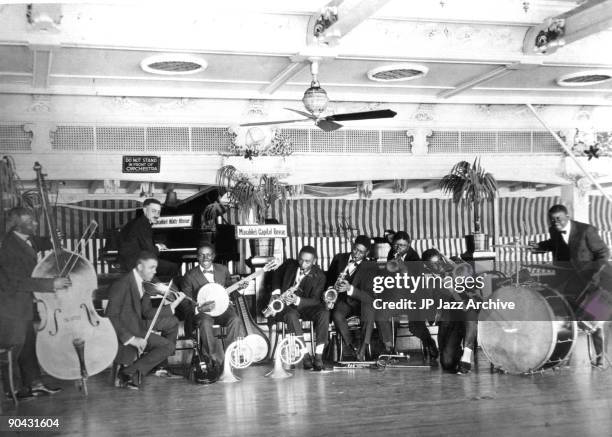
<point x="330" y="224"/>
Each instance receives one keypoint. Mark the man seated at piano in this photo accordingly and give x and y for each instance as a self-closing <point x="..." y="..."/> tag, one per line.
<point x="208" y="272"/>
<point x="137" y="236"/>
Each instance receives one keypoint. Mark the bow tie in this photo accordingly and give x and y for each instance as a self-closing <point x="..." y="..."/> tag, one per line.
<point x="208" y="271"/>
<point x="563" y="232"/>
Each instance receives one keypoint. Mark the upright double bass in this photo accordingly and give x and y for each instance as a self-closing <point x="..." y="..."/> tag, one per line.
<point x="73" y="342"/>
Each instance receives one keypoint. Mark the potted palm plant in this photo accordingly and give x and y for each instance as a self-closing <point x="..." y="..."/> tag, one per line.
<point x="472" y="184"/>
<point x="253" y="197"/>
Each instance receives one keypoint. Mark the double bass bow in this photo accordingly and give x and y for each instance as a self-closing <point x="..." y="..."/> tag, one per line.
<point x="73" y="342"/>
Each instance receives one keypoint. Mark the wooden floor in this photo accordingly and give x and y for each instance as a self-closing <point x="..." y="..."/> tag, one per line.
<point x="576" y="400"/>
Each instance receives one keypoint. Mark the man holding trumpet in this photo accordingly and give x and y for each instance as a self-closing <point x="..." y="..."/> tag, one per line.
<point x="299" y="283"/>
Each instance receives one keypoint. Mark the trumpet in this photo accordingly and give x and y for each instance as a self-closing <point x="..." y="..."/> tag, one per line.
<point x="277" y="304"/>
<point x="331" y="294"/>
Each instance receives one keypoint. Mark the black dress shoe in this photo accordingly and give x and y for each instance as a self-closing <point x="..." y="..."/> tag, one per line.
<point x="22" y="395"/>
<point x="307" y="362"/>
<point x="41" y="389"/>
<point x="464" y="368"/>
<point x="127" y="381"/>
<point x="318" y="365"/>
<point x="164" y="372"/>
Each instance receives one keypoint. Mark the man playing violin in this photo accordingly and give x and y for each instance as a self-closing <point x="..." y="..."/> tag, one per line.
<point x="208" y="272"/>
<point x="20" y="252"/>
<point x="305" y="302"/>
<point x="131" y="313"/>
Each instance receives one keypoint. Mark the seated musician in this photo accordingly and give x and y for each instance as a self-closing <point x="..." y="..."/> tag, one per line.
<point x="137" y="236"/>
<point x="19" y="254"/>
<point x="405" y="259"/>
<point x="457" y="329"/>
<point x="131" y="313"/>
<point x="351" y="274"/>
<point x="208" y="272"/>
<point x="578" y="248"/>
<point x="400" y="248"/>
<point x="307" y="280"/>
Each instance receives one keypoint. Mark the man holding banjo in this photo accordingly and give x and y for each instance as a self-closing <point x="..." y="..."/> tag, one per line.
<point x="208" y="272"/>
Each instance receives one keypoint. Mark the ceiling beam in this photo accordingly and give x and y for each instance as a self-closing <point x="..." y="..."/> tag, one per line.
<point x="283" y="76"/>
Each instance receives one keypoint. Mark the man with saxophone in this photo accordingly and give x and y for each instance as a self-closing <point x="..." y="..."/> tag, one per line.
<point x="208" y="272"/>
<point x="456" y="328"/>
<point x="299" y="283"/>
<point x="350" y="274"/>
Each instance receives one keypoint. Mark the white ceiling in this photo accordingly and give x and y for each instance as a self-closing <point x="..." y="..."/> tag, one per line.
<point x="98" y="48"/>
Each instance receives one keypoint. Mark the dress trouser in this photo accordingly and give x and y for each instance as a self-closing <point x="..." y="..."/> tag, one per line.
<point x="211" y="345"/>
<point x="418" y="328"/>
<point x="159" y="347"/>
<point x="319" y="314"/>
<point x="24" y="351"/>
<point x="342" y="311"/>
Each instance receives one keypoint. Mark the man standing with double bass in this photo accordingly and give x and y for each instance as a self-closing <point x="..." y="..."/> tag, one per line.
<point x="20" y="252"/>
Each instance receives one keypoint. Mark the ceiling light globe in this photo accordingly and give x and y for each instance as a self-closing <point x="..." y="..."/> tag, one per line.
<point x="315" y="100"/>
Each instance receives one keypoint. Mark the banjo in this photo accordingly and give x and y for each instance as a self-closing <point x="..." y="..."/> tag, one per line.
<point x="218" y="294"/>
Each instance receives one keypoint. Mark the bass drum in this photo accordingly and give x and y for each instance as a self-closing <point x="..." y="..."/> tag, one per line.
<point x="539" y="334"/>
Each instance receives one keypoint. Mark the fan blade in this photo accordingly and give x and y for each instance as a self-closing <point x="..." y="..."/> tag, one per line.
<point x="305" y="114"/>
<point x="263" y="123"/>
<point x="328" y="125"/>
<point x="367" y="115"/>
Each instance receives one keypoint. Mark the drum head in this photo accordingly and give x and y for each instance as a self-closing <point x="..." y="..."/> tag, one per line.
<point x="518" y="346"/>
<point x="217" y="294"/>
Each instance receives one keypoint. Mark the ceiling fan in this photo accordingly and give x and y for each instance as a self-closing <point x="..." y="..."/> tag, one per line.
<point x="315" y="101"/>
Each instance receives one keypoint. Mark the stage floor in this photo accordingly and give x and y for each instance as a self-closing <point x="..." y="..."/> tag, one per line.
<point x="576" y="400"/>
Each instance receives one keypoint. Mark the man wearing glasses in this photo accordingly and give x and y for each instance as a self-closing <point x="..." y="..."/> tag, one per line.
<point x="351" y="274"/>
<point x="578" y="249"/>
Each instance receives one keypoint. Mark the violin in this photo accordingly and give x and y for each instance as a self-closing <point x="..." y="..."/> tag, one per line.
<point x="73" y="342"/>
<point x="159" y="288"/>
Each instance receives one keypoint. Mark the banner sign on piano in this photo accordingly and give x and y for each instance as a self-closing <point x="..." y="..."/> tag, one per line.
<point x="174" y="221"/>
<point x="261" y="231"/>
<point x="141" y="164"/>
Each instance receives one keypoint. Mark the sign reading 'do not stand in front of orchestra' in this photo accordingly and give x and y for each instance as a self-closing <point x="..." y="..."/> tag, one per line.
<point x="261" y="231"/>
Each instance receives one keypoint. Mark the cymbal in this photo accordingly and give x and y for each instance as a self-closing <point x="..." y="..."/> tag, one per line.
<point x="513" y="246"/>
<point x="547" y="267"/>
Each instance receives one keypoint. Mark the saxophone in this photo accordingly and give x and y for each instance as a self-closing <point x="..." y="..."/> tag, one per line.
<point x="277" y="304"/>
<point x="331" y="294"/>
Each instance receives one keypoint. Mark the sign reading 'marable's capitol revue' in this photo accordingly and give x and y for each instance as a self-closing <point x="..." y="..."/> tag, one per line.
<point x="261" y="231"/>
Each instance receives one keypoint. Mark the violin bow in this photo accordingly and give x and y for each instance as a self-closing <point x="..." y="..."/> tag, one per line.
<point x="161" y="305"/>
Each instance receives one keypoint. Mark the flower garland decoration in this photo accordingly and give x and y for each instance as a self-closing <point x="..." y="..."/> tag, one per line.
<point x="279" y="146"/>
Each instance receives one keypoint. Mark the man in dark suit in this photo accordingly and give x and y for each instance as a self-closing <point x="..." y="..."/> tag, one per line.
<point x="410" y="262"/>
<point x="578" y="248"/>
<point x="352" y="276"/>
<point x="131" y="313"/>
<point x="19" y="255"/>
<point x="306" y="302"/>
<point x="137" y="236"/>
<point x="401" y="250"/>
<point x="205" y="273"/>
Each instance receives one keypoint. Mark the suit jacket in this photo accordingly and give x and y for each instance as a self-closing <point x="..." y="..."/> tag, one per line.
<point x="194" y="279"/>
<point x="129" y="313"/>
<point x="17" y="261"/>
<point x="361" y="279"/>
<point x="587" y="251"/>
<point x="135" y="236"/>
<point x="311" y="287"/>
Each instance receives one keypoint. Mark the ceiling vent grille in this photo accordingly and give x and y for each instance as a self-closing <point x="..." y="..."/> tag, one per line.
<point x="397" y="73"/>
<point x="173" y="64"/>
<point x="585" y="78"/>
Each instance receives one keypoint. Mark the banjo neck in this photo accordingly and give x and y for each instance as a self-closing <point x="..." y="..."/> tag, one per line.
<point x="249" y="278"/>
